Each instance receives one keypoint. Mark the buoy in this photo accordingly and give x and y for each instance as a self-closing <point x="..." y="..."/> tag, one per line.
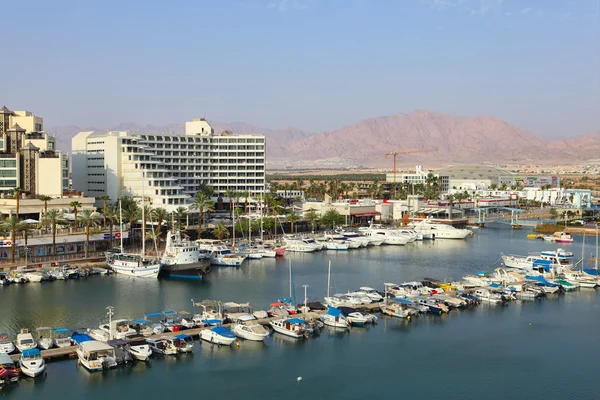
<point x="299" y="378"/>
<point x="530" y="324"/>
<point x="237" y="344"/>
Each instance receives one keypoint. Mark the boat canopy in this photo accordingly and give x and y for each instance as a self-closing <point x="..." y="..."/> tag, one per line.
<point x="169" y="312"/>
<point x="213" y="321"/>
<point x="348" y="310"/>
<point x="117" y="342"/>
<point x="495" y="285"/>
<point x="80" y="337"/>
<point x="231" y="304"/>
<point x="182" y="336"/>
<point x="540" y="279"/>
<point x="335" y="312"/>
<point x="31" y="353"/>
<point x="402" y="300"/>
<point x="6" y="360"/>
<point x="183" y="312"/>
<point x="221" y="330"/>
<point x="61" y="330"/>
<point x="278" y="304"/>
<point x="591" y="271"/>
<point x="141" y="321"/>
<point x="207" y="303"/>
<point x="154" y="314"/>
<point x="295" y="321"/>
<point x="285" y="300"/>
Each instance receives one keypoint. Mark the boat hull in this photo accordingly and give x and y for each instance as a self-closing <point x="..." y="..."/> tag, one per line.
<point x="212" y="337"/>
<point x="185" y="271"/>
<point x="150" y="271"/>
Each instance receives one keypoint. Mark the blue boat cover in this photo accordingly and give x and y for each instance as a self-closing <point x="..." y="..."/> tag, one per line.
<point x="213" y="321"/>
<point x="141" y="321"/>
<point x="154" y="314"/>
<point x="542" y="263"/>
<point x="182" y="336"/>
<point x="285" y="300"/>
<point x="295" y="321"/>
<point x="61" y="330"/>
<point x="221" y="330"/>
<point x="495" y="285"/>
<point x="333" y="312"/>
<point x="80" y="337"/>
<point x="403" y="300"/>
<point x="170" y="312"/>
<point x="540" y="279"/>
<point x="31" y="352"/>
<point x="591" y="271"/>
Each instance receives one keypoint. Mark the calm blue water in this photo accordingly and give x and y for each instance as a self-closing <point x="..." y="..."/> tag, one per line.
<point x="540" y="350"/>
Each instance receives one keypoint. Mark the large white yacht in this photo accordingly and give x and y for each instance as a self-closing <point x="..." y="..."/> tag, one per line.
<point x="389" y="235"/>
<point x="220" y="254"/>
<point x="183" y="258"/>
<point x="440" y="231"/>
<point x="299" y="246"/>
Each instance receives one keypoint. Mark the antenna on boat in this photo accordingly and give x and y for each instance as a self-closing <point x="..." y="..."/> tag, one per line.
<point x="110" y="315"/>
<point x="305" y="298"/>
<point x="121" y="224"/>
<point x="329" y="278"/>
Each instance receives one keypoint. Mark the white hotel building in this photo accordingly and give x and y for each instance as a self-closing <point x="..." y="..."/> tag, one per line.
<point x="167" y="168"/>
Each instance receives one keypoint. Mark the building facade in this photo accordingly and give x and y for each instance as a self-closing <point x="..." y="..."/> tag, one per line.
<point x="28" y="156"/>
<point x="419" y="178"/>
<point x="168" y="169"/>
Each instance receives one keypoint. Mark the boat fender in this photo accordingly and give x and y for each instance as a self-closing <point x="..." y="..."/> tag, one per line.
<point x="237" y="344"/>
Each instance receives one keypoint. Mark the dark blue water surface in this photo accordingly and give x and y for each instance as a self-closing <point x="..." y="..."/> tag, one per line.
<point x="536" y="350"/>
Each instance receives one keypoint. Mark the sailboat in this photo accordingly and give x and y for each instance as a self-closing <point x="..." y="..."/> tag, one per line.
<point x="137" y="265"/>
<point x="594" y="271"/>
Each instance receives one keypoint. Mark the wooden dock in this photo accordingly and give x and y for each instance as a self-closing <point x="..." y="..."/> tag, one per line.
<point x="70" y="352"/>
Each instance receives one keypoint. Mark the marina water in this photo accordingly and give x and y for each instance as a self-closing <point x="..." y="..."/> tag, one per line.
<point x="545" y="349"/>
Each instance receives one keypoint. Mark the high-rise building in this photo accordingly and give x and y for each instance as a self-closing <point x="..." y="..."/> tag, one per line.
<point x="28" y="156"/>
<point x="168" y="169"/>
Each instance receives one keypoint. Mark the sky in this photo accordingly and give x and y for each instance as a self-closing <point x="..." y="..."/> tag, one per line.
<point x="317" y="65"/>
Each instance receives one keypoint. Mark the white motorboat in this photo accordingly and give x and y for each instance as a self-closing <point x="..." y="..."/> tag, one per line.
<point x="163" y="346"/>
<point x="358" y="298"/>
<point x="292" y="327"/>
<point x="232" y="311"/>
<point x="8" y="371"/>
<point x="247" y="328"/>
<point x="44" y="338"/>
<point x="211" y="313"/>
<point x="139" y="347"/>
<point x="332" y="238"/>
<point x="439" y="230"/>
<point x="133" y="265"/>
<point x="6" y="345"/>
<point x="559" y="237"/>
<point x="549" y="258"/>
<point x="356" y="318"/>
<point x="220" y="254"/>
<point x="389" y="235"/>
<point x="355" y="237"/>
<point x="489" y="296"/>
<point x="218" y="335"/>
<point x="397" y="308"/>
<point x="371" y="293"/>
<point x="35" y="276"/>
<point x="118" y="329"/>
<point x="25" y="341"/>
<point x="300" y="246"/>
<point x="184" y="259"/>
<point x="252" y="253"/>
<point x="32" y="363"/>
<point x="336" y="245"/>
<point x="312" y="242"/>
<point x="62" y="337"/>
<point x="95" y="355"/>
<point x="183" y="343"/>
<point x="334" y="318"/>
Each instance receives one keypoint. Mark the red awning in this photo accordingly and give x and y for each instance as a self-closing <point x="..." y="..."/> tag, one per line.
<point x="369" y="214"/>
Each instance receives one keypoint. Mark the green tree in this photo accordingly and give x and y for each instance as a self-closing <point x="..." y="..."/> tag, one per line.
<point x="111" y="214"/>
<point x="104" y="200"/>
<point x="220" y="231"/>
<point x="268" y="224"/>
<point x="45" y="199"/>
<point x="243" y="226"/>
<point x="16" y="193"/>
<point x="292" y="218"/>
<point x="202" y="203"/>
<point x="312" y="218"/>
<point x="75" y="205"/>
<point x="89" y="218"/>
<point x="230" y="194"/>
<point x="553" y="213"/>
<point x="159" y="214"/>
<point x="13" y="225"/>
<point x="493" y="186"/>
<point x="332" y="218"/>
<point x="131" y="213"/>
<point x="180" y="214"/>
<point x="245" y="195"/>
<point x="52" y="218"/>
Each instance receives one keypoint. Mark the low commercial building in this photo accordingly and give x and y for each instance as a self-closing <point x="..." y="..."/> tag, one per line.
<point x="419" y="177"/>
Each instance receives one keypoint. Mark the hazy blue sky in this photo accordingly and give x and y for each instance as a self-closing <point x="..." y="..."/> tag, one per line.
<point x="313" y="64"/>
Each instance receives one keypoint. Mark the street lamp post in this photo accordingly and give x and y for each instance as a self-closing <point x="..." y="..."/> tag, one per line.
<point x="26" y="251"/>
<point x="110" y="314"/>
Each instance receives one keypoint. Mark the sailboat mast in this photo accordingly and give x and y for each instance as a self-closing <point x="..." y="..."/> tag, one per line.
<point x="328" y="278"/>
<point x="261" y="219"/>
<point x="583" y="253"/>
<point x="121" y="224"/>
<point x="290" y="279"/>
<point x="234" y="218"/>
<point x="143" y="218"/>
<point x="596" y="246"/>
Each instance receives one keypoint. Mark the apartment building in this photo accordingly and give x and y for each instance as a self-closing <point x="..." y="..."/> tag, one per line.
<point x="168" y="169"/>
<point x="419" y="177"/>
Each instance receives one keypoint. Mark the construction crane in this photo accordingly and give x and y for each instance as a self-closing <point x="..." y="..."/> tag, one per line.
<point x="395" y="153"/>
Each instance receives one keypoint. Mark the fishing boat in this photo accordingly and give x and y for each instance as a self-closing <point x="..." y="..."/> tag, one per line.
<point x="25" y="341"/>
<point x="139" y="347"/>
<point x="293" y="327"/>
<point x="31" y="363"/>
<point x="210" y="313"/>
<point x="247" y="328"/>
<point x="95" y="355"/>
<point x="334" y="318"/>
<point x="163" y="346"/>
<point x="183" y="258"/>
<point x="183" y="343"/>
<point x="8" y="371"/>
<point x="218" y="335"/>
<point x="6" y="345"/>
<point x="44" y="338"/>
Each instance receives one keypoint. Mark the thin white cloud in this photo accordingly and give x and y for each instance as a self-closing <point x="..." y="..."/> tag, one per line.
<point x="485" y="7"/>
<point x="285" y="5"/>
<point x="525" y="11"/>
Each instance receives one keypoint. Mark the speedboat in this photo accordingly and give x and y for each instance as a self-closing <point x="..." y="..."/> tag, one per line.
<point x="61" y="337"/>
<point x="25" y="341"/>
<point x="434" y="305"/>
<point x="139" y="347"/>
<point x="8" y="371"/>
<point x="162" y="346"/>
<point x="218" y="335"/>
<point x="44" y="340"/>
<point x="356" y="318"/>
<point x="334" y="318"/>
<point x="221" y="255"/>
<point x="293" y="327"/>
<point x="183" y="343"/>
<point x="398" y="308"/>
<point x="355" y="237"/>
<point x="96" y="356"/>
<point x="301" y="246"/>
<point x="31" y="363"/>
<point x="559" y="237"/>
<point x="489" y="296"/>
<point x="211" y="313"/>
<point x="371" y="293"/>
<point x="247" y="328"/>
<point x="6" y="345"/>
<point x="389" y="236"/>
<point x="122" y="353"/>
<point x="79" y="336"/>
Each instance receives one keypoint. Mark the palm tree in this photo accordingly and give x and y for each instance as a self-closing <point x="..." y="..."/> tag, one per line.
<point x="230" y="194"/>
<point x="130" y="212"/>
<point x="104" y="200"/>
<point x="88" y="218"/>
<point x="75" y="205"/>
<point x="292" y="218"/>
<point x="13" y="225"/>
<point x="220" y="231"/>
<point x="202" y="203"/>
<point x="245" y="194"/>
<point x="111" y="214"/>
<point x="160" y="215"/>
<point x="312" y="218"/>
<point x="52" y="218"/>
<point x="180" y="213"/>
<point x="16" y="192"/>
<point x="45" y="199"/>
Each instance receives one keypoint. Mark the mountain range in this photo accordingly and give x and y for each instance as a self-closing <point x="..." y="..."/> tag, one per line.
<point x="455" y="140"/>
